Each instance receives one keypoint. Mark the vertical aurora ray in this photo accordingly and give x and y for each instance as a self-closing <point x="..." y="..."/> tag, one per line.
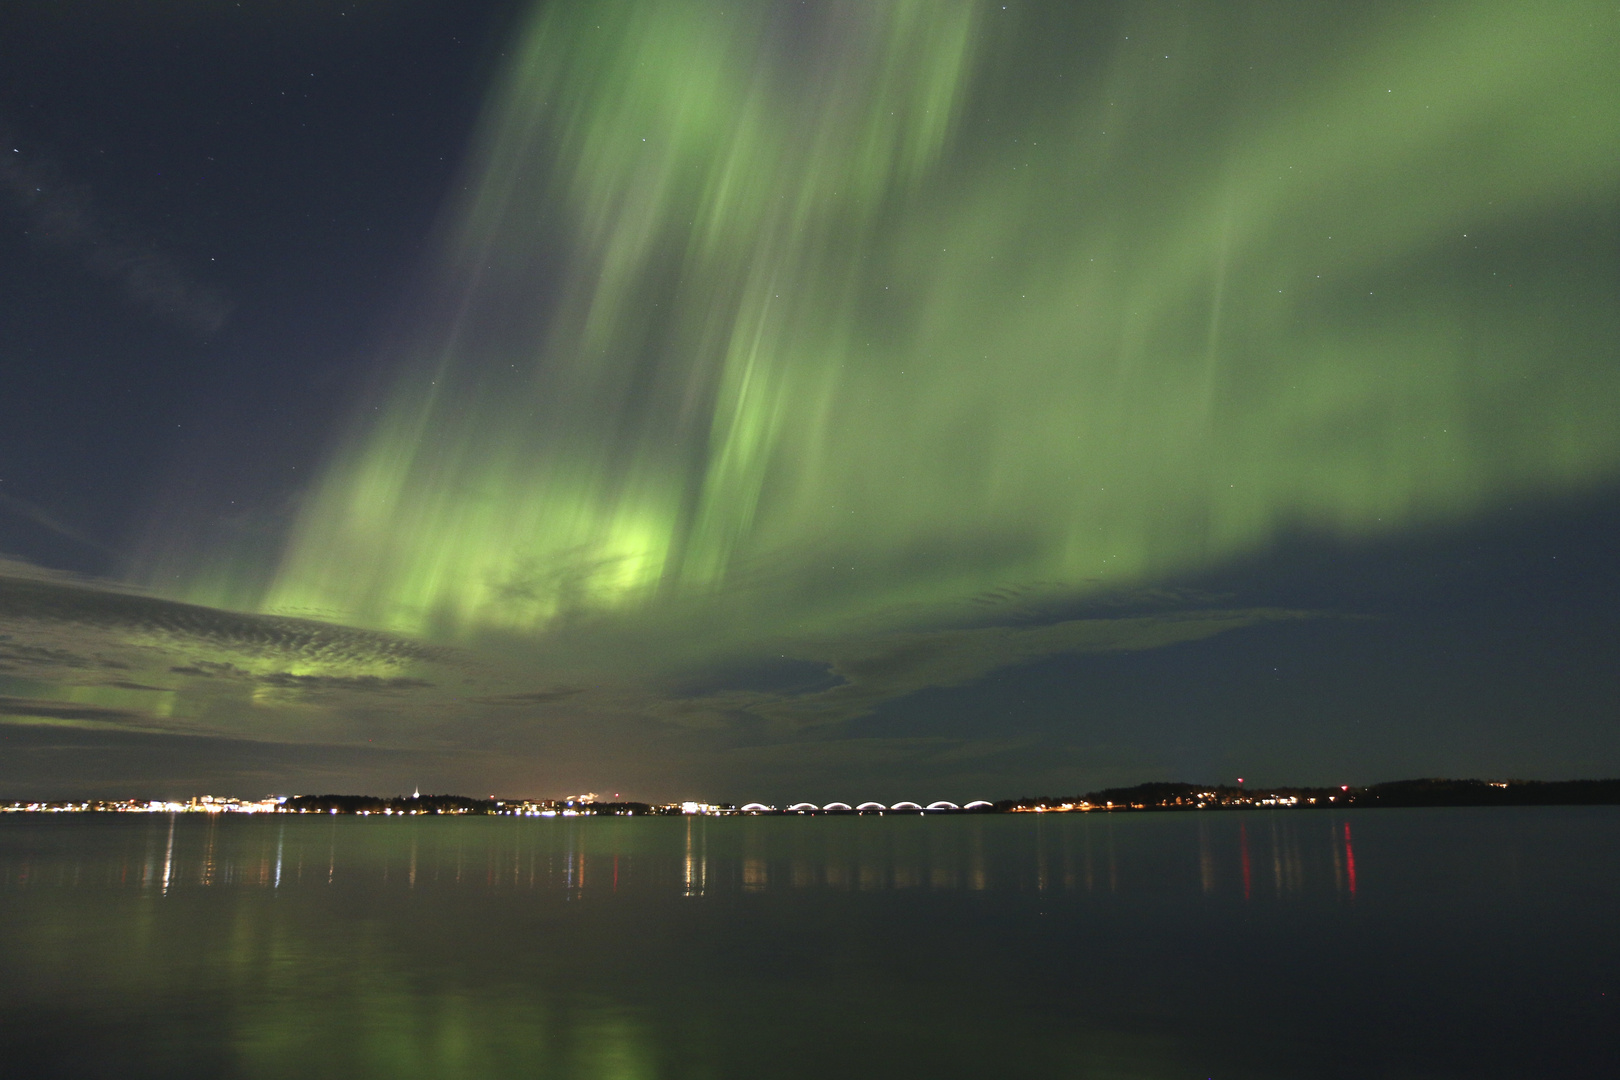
<point x="804" y="312"/>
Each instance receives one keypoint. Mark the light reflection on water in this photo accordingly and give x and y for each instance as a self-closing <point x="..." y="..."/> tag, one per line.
<point x="1443" y="943"/>
<point x="1276" y="856"/>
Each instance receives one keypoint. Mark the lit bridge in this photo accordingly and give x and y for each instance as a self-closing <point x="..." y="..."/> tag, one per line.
<point x="941" y="806"/>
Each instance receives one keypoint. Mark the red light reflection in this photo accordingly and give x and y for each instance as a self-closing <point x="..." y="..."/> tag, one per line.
<point x="1349" y="859"/>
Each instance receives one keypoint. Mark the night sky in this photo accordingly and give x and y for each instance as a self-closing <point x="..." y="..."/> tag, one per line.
<point x="806" y="400"/>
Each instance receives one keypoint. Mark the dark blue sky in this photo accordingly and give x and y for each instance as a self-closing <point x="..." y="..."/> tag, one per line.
<point x="277" y="168"/>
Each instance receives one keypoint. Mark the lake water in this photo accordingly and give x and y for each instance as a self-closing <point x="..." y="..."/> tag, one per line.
<point x="1385" y="943"/>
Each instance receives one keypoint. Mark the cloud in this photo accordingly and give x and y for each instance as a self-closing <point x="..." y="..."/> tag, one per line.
<point x="882" y="668"/>
<point x="16" y="655"/>
<point x="95" y="761"/>
<point x="59" y="213"/>
<point x="534" y="697"/>
<point x="52" y="710"/>
<point x="76" y="651"/>
<point x="81" y="655"/>
<point x="923" y="769"/>
<point x="29" y="512"/>
<point x="62" y="602"/>
<point x="365" y="683"/>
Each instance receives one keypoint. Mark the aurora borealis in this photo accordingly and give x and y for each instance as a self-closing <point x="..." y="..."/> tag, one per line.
<point x="859" y="307"/>
<point x="774" y="365"/>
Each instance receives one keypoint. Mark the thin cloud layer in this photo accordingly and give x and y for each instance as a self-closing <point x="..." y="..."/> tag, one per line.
<point x="875" y="670"/>
<point x="83" y="656"/>
<point x="59" y="213"/>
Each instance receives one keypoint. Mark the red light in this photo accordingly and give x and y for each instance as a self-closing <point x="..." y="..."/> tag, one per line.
<point x="1344" y="787"/>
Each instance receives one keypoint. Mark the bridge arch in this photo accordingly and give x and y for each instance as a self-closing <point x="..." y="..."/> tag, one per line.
<point x="906" y="806"/>
<point x="943" y="805"/>
<point x="756" y="807"/>
<point x="976" y="803"/>
<point x="871" y="806"/>
<point x="838" y="806"/>
<point x="802" y="806"/>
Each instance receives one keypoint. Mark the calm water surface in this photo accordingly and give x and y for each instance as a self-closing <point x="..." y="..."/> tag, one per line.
<point x="1420" y="943"/>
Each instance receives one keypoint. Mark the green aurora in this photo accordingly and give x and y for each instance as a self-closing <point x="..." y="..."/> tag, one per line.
<point x="875" y="342"/>
<point x="781" y="320"/>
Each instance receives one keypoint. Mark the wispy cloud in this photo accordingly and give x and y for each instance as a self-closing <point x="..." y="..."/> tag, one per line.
<point x="877" y="669"/>
<point x="57" y="212"/>
<point x="44" y="519"/>
<point x="86" y="655"/>
<point x="76" y="651"/>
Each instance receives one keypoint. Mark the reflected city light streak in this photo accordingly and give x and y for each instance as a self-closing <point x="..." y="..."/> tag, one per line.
<point x="168" y="857"/>
<point x="1040" y="854"/>
<point x="611" y="949"/>
<point x="1349" y="859"/>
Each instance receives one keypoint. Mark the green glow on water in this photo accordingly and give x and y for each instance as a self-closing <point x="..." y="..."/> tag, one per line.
<point x="805" y="315"/>
<point x="609" y="949"/>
